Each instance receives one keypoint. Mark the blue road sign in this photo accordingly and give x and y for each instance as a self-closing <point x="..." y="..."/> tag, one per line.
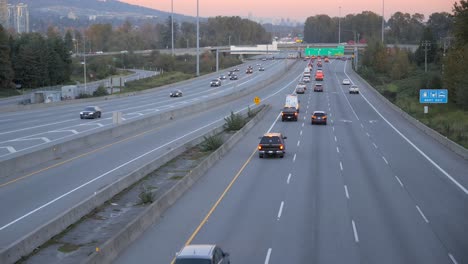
<point x="439" y="96"/>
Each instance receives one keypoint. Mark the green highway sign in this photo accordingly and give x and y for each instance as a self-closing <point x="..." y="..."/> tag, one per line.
<point x="338" y="51"/>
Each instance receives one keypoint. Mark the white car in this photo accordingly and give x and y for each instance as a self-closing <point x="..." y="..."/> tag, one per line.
<point x="306" y="79"/>
<point x="346" y="82"/>
<point x="353" y="89"/>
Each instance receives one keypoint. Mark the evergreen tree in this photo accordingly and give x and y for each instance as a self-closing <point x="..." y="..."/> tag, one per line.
<point x="6" y="70"/>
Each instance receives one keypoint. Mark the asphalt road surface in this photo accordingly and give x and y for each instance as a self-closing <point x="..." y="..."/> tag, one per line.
<point x="29" y="200"/>
<point x="369" y="187"/>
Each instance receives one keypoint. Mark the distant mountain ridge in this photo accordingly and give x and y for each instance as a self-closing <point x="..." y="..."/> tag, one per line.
<point x="86" y="8"/>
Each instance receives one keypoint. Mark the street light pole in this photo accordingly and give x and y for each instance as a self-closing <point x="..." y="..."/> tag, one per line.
<point x="198" y="41"/>
<point x="383" y="20"/>
<point x="84" y="60"/>
<point x="229" y="40"/>
<point x="172" y="26"/>
<point x="339" y="27"/>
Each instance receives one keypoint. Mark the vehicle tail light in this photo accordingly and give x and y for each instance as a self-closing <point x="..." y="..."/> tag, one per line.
<point x="281" y="147"/>
<point x="282" y="114"/>
<point x="313" y="117"/>
<point x="295" y="113"/>
<point x="325" y="117"/>
<point x="259" y="147"/>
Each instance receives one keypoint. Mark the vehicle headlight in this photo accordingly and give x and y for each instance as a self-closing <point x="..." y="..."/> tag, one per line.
<point x="91" y="113"/>
<point x="81" y="113"/>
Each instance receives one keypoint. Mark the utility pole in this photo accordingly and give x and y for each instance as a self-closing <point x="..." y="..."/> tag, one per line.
<point x="172" y="26"/>
<point x="426" y="44"/>
<point x="198" y="41"/>
<point x="339" y="27"/>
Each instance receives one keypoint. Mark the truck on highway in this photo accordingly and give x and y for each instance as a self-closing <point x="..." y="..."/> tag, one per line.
<point x="292" y="101"/>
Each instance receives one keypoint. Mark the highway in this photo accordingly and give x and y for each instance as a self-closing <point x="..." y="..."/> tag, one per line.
<point x="27" y="130"/>
<point x="369" y="187"/>
<point x="47" y="190"/>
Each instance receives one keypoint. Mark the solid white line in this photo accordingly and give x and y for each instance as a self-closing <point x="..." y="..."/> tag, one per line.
<point x="337" y="150"/>
<point x="294" y="159"/>
<point x="341" y="165"/>
<point x="375" y="146"/>
<point x="335" y="138"/>
<point x="415" y="147"/>
<point x="289" y="178"/>
<point x="385" y="159"/>
<point x="280" y="210"/>
<point x="28" y="128"/>
<point x="272" y="125"/>
<point x="352" y="109"/>
<point x="298" y="143"/>
<point x="267" y="259"/>
<point x="422" y="214"/>
<point x="399" y="181"/>
<point x="453" y="259"/>
<point x="346" y="191"/>
<point x="356" y="237"/>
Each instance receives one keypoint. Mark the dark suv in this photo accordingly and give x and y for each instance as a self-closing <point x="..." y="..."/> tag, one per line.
<point x="202" y="254"/>
<point x="289" y="113"/>
<point x="272" y="144"/>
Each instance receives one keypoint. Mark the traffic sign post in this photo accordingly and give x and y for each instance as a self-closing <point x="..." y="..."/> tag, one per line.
<point x="428" y="96"/>
<point x="257" y="100"/>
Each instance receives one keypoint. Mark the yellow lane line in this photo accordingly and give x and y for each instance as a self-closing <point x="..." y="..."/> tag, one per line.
<point x="213" y="208"/>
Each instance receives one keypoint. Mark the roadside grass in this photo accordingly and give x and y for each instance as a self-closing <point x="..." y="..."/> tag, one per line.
<point x="9" y="92"/>
<point x="447" y="119"/>
<point x="156" y="81"/>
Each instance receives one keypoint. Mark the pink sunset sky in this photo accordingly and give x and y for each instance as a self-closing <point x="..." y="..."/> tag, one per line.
<point x="296" y="9"/>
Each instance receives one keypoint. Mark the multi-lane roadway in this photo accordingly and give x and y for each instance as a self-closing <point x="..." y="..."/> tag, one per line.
<point x="30" y="198"/>
<point x="369" y="187"/>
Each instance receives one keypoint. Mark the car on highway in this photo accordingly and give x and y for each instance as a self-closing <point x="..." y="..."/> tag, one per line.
<point x="222" y="77"/>
<point x="176" y="93"/>
<point x="319" y="64"/>
<point x="327" y="59"/>
<point x="346" y="82"/>
<point x="233" y="77"/>
<point x="319" y="117"/>
<point x="91" y="112"/>
<point x="292" y="101"/>
<point x="300" y="90"/>
<point x="354" y="89"/>
<point x="261" y="69"/>
<point x="264" y="59"/>
<point x="236" y="69"/>
<point x="272" y="144"/>
<point x="318" y="87"/>
<point x="302" y="85"/>
<point x="306" y="79"/>
<point x="230" y="73"/>
<point x="289" y="113"/>
<point x="249" y="70"/>
<point x="202" y="254"/>
<point x="215" y="82"/>
<point x="319" y="76"/>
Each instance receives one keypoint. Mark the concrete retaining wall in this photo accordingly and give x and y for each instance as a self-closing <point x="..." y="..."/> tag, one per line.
<point x="112" y="248"/>
<point x="458" y="149"/>
<point x="36" y="157"/>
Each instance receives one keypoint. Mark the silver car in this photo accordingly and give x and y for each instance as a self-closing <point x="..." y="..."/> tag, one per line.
<point x="202" y="254"/>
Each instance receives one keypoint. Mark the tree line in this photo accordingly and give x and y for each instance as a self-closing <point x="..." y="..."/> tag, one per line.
<point x="32" y="60"/>
<point x="402" y="28"/>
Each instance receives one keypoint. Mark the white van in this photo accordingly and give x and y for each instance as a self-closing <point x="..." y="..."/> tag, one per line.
<point x="292" y="101"/>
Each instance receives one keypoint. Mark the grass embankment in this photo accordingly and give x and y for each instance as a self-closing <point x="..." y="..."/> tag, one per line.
<point x="9" y="92"/>
<point x="156" y="81"/>
<point x="447" y="119"/>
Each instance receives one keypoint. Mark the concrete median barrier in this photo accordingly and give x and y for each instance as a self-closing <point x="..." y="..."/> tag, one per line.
<point x="453" y="146"/>
<point x="37" y="156"/>
<point x="112" y="248"/>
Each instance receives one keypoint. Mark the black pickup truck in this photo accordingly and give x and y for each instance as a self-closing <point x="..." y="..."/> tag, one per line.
<point x="289" y="113"/>
<point x="272" y="144"/>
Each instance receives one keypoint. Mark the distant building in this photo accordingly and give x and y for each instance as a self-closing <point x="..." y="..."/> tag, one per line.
<point x="18" y="18"/>
<point x="4" y="13"/>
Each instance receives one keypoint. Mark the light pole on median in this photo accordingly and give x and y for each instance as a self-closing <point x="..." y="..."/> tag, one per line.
<point x="172" y="26"/>
<point x="198" y="41"/>
<point x="339" y="27"/>
<point x="84" y="60"/>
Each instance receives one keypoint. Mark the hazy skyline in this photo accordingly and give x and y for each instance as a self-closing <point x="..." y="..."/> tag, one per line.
<point x="297" y="9"/>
